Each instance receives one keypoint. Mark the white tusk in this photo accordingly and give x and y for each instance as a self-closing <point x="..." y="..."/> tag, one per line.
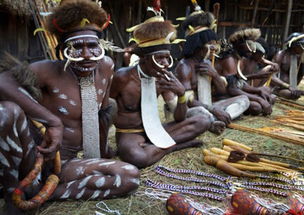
<point x="66" y="64"/>
<point x="208" y="53"/>
<point x="100" y="56"/>
<point x="171" y="64"/>
<point x="157" y="64"/>
<point x="239" y="71"/>
<point x="71" y="58"/>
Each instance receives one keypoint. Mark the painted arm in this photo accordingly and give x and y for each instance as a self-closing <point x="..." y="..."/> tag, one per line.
<point x="11" y="90"/>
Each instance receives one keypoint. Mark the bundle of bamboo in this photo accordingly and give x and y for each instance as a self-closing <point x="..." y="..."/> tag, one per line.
<point x="224" y="160"/>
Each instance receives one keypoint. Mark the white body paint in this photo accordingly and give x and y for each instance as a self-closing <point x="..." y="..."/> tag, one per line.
<point x="117" y="181"/>
<point x="106" y="193"/>
<point x="13" y="145"/>
<point x="66" y="194"/>
<point x="84" y="182"/>
<point x="79" y="195"/>
<point x="128" y="167"/>
<point x="107" y="163"/>
<point x="100" y="182"/>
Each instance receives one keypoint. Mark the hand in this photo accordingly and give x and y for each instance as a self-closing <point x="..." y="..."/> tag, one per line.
<point x="275" y="67"/>
<point x="205" y="68"/>
<point x="295" y="94"/>
<point x="265" y="95"/>
<point x="221" y="115"/>
<point x="266" y="106"/>
<point x="168" y="82"/>
<point x="51" y="142"/>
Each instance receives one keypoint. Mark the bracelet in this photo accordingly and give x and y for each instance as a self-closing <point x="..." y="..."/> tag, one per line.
<point x="182" y="99"/>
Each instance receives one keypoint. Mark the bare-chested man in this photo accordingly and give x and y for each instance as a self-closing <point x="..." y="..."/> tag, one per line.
<point x="291" y="65"/>
<point x="136" y="89"/>
<point x="231" y="66"/>
<point x="198" y="49"/>
<point x="257" y="69"/>
<point x="73" y="109"/>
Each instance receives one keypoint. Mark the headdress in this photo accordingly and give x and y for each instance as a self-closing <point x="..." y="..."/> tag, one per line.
<point x="246" y="34"/>
<point x="293" y="38"/>
<point x="76" y="15"/>
<point x="154" y="34"/>
<point x="199" y="27"/>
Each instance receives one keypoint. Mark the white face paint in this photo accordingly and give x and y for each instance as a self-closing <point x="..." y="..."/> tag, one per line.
<point x="100" y="182"/>
<point x="4" y="145"/>
<point x="63" y="96"/>
<point x="135" y="181"/>
<point x="63" y="110"/>
<point x="55" y="90"/>
<point x="106" y="193"/>
<point x="79" y="195"/>
<point x="66" y="194"/>
<point x="84" y="182"/>
<point x="117" y="181"/>
<point x="107" y="163"/>
<point x="80" y="170"/>
<point x="100" y="91"/>
<point x="128" y="167"/>
<point x="4" y="161"/>
<point x="13" y="145"/>
<point x="72" y="102"/>
<point x="95" y="194"/>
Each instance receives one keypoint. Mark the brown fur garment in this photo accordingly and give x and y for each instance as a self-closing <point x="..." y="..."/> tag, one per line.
<point x="70" y="14"/>
<point x="199" y="19"/>
<point x="22" y="74"/>
<point x="245" y="34"/>
<point x="154" y="30"/>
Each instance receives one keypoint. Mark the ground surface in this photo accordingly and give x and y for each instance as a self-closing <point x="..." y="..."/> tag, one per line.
<point x="139" y="203"/>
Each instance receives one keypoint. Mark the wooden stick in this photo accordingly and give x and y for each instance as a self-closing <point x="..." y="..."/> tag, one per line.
<point x="228" y="142"/>
<point x="294" y="140"/>
<point x="291" y="104"/>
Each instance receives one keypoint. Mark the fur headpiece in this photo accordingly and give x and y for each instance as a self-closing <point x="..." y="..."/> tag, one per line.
<point x="245" y="34"/>
<point x="198" y="21"/>
<point x="74" y="15"/>
<point x="294" y="37"/>
<point x="153" y="34"/>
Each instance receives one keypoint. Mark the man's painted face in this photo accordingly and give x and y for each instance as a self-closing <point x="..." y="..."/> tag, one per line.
<point x="83" y="53"/>
<point x="159" y="61"/>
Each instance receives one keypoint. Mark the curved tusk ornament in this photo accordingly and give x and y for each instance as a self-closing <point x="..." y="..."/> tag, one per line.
<point x="157" y="64"/>
<point x="100" y="56"/>
<point x="71" y="58"/>
<point x="172" y="62"/>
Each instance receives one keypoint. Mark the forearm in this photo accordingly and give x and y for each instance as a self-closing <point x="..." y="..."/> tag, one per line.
<point x="219" y="84"/>
<point x="237" y="92"/>
<point x="181" y="109"/>
<point x="275" y="81"/>
<point x="251" y="90"/>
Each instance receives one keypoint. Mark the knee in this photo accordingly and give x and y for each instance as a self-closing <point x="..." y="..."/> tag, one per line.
<point x="130" y="176"/>
<point x="135" y="157"/>
<point x="255" y="108"/>
<point x="200" y="123"/>
<point x="9" y="112"/>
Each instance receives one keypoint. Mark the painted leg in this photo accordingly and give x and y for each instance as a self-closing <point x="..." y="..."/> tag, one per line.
<point x="16" y="150"/>
<point x="96" y="179"/>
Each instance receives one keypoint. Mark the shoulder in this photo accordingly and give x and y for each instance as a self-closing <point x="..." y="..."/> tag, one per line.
<point x="184" y="65"/>
<point x="123" y="74"/>
<point x="44" y="65"/>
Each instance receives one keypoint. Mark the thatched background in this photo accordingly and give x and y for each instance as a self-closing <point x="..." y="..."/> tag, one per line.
<point x="16" y="7"/>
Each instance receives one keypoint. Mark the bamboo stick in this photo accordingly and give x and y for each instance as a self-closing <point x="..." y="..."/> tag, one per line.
<point x="228" y="142"/>
<point x="294" y="140"/>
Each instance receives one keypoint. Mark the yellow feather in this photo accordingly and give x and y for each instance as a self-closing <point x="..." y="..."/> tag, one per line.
<point x="37" y="30"/>
<point x="84" y="21"/>
<point x="194" y="1"/>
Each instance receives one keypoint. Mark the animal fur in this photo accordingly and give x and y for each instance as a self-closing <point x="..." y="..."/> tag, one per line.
<point x="245" y="34"/>
<point x="70" y="14"/>
<point x="199" y="19"/>
<point x="22" y="74"/>
<point x="154" y="31"/>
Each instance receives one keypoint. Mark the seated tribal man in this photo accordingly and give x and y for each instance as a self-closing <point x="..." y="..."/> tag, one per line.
<point x="231" y="66"/>
<point x="73" y="107"/>
<point x="291" y="62"/>
<point x="141" y="138"/>
<point x="195" y="70"/>
<point x="257" y="69"/>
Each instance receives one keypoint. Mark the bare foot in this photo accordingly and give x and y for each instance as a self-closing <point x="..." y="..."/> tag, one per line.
<point x="217" y="127"/>
<point x="189" y="144"/>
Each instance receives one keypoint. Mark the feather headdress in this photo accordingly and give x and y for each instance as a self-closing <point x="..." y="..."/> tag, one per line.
<point x="245" y="34"/>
